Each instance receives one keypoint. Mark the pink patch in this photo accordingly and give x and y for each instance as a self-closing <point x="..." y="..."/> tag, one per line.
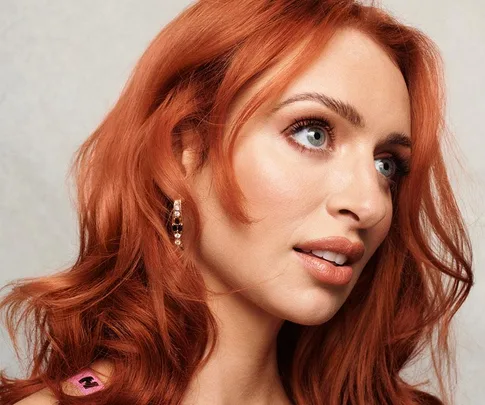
<point x="86" y="382"/>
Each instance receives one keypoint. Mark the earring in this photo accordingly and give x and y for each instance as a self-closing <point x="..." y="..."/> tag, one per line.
<point x="177" y="224"/>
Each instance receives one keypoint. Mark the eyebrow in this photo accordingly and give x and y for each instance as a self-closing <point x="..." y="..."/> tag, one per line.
<point x="346" y="111"/>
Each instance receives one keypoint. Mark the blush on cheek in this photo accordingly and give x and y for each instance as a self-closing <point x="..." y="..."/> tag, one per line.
<point x="268" y="175"/>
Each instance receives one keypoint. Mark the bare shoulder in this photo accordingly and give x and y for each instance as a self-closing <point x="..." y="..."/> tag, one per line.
<point x="42" y="397"/>
<point x="102" y="369"/>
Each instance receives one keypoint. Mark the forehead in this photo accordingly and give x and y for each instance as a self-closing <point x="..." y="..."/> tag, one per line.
<point x="356" y="70"/>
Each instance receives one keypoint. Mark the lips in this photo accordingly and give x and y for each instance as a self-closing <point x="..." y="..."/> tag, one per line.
<point x="325" y="271"/>
<point x="338" y="244"/>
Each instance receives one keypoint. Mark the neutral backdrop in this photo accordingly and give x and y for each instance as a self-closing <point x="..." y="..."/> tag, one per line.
<point x="62" y="66"/>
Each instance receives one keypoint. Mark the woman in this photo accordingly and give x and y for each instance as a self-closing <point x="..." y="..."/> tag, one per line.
<point x="262" y="220"/>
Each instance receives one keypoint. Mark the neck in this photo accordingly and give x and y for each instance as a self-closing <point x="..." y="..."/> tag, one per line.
<point x="243" y="368"/>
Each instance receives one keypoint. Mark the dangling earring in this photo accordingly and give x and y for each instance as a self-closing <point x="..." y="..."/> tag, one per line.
<point x="177" y="224"/>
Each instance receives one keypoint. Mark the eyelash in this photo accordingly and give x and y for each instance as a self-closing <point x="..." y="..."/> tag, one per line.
<point x="402" y="164"/>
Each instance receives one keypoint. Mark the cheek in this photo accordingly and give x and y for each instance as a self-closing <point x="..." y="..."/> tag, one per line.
<point x="270" y="177"/>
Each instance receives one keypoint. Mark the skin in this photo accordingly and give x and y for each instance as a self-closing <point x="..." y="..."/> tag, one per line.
<point x="296" y="197"/>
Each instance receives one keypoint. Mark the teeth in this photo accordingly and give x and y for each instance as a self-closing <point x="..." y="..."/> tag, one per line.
<point x="330" y="256"/>
<point x="340" y="259"/>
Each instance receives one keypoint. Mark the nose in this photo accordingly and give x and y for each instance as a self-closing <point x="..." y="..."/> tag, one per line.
<point x="360" y="192"/>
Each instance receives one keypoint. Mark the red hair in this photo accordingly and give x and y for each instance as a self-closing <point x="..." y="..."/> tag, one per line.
<point x="133" y="298"/>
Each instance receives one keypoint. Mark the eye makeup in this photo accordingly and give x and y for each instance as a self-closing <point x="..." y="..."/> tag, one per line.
<point x="317" y="121"/>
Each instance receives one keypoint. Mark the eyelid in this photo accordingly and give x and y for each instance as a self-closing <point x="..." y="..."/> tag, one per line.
<point x="316" y="120"/>
<point x="401" y="161"/>
<point x="310" y="116"/>
<point x="329" y="125"/>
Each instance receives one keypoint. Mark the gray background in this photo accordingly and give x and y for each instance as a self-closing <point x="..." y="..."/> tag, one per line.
<point x="62" y="66"/>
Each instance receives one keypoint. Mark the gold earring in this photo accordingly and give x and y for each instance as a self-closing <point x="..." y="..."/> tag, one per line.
<point x="177" y="224"/>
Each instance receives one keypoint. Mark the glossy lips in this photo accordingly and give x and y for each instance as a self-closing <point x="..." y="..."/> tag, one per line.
<point x="324" y="270"/>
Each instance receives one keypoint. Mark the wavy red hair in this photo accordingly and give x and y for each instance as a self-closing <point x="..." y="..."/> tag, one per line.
<point x="132" y="298"/>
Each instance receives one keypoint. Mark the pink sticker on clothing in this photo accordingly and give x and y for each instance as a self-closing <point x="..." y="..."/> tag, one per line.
<point x="86" y="381"/>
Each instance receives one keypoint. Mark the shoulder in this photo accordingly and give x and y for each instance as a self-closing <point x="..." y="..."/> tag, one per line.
<point x="89" y="380"/>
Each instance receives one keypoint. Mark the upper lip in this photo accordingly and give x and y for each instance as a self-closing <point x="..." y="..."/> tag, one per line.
<point x="353" y="250"/>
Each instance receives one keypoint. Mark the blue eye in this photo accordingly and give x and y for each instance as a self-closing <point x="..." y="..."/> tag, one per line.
<point x="383" y="163"/>
<point x="311" y="133"/>
<point x="316" y="135"/>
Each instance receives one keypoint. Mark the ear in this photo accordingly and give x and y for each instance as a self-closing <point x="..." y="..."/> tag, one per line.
<point x="191" y="151"/>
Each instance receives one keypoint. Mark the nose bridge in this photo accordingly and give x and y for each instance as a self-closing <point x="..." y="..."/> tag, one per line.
<point x="358" y="191"/>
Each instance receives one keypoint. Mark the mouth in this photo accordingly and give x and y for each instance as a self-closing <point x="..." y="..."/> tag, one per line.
<point x="318" y="257"/>
<point x="326" y="271"/>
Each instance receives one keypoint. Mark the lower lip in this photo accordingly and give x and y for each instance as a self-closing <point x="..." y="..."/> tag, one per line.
<point x="324" y="271"/>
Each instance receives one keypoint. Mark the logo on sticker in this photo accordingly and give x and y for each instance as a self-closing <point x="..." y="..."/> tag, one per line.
<point x="88" y="382"/>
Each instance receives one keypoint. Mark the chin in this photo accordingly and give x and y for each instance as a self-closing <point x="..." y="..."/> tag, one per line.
<point x="312" y="318"/>
<point x="309" y="309"/>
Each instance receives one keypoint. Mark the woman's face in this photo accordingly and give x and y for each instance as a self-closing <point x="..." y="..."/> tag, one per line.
<point x="340" y="187"/>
